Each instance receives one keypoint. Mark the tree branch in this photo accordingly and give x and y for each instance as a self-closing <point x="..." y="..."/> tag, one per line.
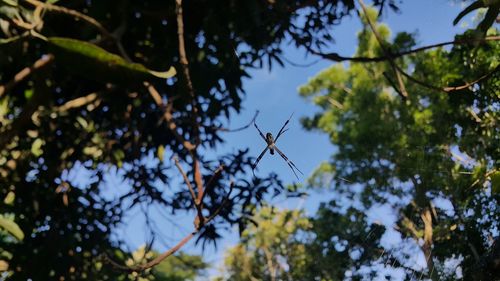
<point x="156" y="260"/>
<point x="25" y="72"/>
<point x="339" y="58"/>
<point x="214" y="214"/>
<point x="186" y="179"/>
<point x="395" y="67"/>
<point x="240" y="128"/>
<point x="179" y="245"/>
<point x="78" y="102"/>
<point x="426" y="217"/>
<point x="467" y="85"/>
<point x="194" y="106"/>
<point x="167" y="114"/>
<point x="185" y="70"/>
<point x="417" y="81"/>
<point x="209" y="184"/>
<point x="76" y="14"/>
<point x="393" y="85"/>
<point x="85" y="18"/>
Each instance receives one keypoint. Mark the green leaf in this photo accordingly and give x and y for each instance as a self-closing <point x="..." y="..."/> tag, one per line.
<point x="9" y="12"/>
<point x="82" y="122"/>
<point x="9" y="199"/>
<point x="160" y="152"/>
<point x="93" y="62"/>
<point x="36" y="147"/>
<point x="495" y="182"/>
<point x="12" y="3"/>
<point x="119" y="155"/>
<point x="28" y="93"/>
<point x="93" y="151"/>
<point x="11" y="227"/>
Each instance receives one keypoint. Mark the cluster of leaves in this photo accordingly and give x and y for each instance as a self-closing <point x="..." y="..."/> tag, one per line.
<point x="287" y="245"/>
<point x="408" y="155"/>
<point x="179" y="267"/>
<point x="268" y="249"/>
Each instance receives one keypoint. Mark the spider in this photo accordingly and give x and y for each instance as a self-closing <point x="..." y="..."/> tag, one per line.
<point x="271" y="146"/>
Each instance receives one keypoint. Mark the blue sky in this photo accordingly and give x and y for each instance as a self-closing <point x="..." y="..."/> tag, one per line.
<point x="275" y="95"/>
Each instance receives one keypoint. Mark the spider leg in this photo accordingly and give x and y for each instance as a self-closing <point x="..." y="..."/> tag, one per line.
<point x="260" y="132"/>
<point x="282" y="130"/>
<point x="288" y="161"/>
<point x="258" y="158"/>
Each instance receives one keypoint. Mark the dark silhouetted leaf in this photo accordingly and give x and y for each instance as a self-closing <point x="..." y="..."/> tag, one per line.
<point x="95" y="63"/>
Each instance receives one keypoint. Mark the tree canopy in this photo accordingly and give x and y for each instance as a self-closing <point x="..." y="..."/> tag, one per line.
<point x="146" y="90"/>
<point x="429" y="154"/>
<point x="125" y="86"/>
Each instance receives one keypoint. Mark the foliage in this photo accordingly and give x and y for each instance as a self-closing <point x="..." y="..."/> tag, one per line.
<point x="179" y="267"/>
<point x="413" y="154"/>
<point x="431" y="159"/>
<point x="77" y="94"/>
<point x="270" y="249"/>
<point x="72" y="99"/>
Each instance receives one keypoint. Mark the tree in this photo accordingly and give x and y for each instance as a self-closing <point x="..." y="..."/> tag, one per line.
<point x="414" y="143"/>
<point x="78" y="92"/>
<point x="287" y="245"/>
<point x="410" y="152"/>
<point x="177" y="268"/>
<point x="271" y="249"/>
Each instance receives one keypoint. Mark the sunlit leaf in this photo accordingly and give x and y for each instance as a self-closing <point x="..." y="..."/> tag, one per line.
<point x="9" y="199"/>
<point x="82" y="122"/>
<point x="119" y="155"/>
<point x="36" y="147"/>
<point x="11" y="227"/>
<point x="28" y="93"/>
<point x="4" y="265"/>
<point x="13" y="3"/>
<point x="160" y="152"/>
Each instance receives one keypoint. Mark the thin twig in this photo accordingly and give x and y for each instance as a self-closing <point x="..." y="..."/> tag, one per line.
<point x="395" y="67"/>
<point x="226" y="198"/>
<point x="167" y="114"/>
<point x="186" y="179"/>
<point x="449" y="89"/>
<point x="156" y="260"/>
<point x="85" y="18"/>
<point x="179" y="245"/>
<point x="296" y="64"/>
<point x="76" y="14"/>
<point x="209" y="184"/>
<point x="339" y="58"/>
<point x="393" y="85"/>
<point x="467" y="85"/>
<point x="78" y="102"/>
<point x="489" y="173"/>
<point x="25" y="72"/>
<point x="240" y="128"/>
<point x="413" y="79"/>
